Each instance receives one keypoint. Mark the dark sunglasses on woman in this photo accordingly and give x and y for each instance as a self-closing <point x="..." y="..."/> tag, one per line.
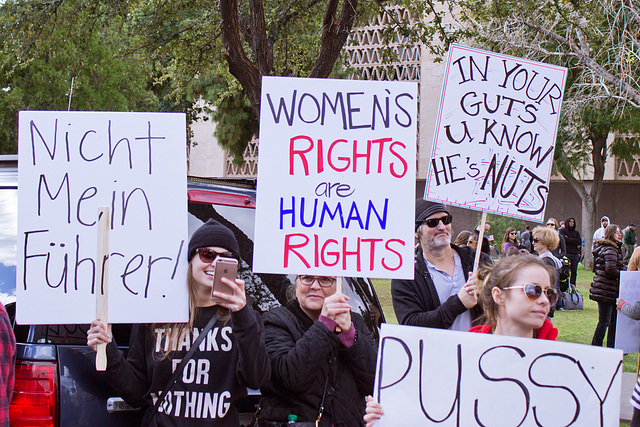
<point x="534" y="292"/>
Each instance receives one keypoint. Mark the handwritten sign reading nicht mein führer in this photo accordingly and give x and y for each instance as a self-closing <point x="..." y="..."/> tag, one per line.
<point x="70" y="165"/>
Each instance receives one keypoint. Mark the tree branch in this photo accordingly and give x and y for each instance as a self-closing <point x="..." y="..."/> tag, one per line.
<point x="334" y="35"/>
<point x="589" y="62"/>
<point x="240" y="66"/>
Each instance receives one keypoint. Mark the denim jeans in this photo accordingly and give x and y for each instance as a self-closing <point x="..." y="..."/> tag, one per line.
<point x="607" y="315"/>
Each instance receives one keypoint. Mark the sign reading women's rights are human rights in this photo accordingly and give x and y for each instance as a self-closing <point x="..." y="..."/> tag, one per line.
<point x="495" y="133"/>
<point x="336" y="178"/>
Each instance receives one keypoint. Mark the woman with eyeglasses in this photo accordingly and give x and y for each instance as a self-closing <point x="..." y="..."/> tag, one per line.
<point x="510" y="240"/>
<point x="231" y="357"/>
<point x="323" y="358"/>
<point x="607" y="264"/>
<point x="516" y="295"/>
<point x="545" y="240"/>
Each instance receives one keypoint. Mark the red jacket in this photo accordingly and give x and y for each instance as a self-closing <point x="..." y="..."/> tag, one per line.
<point x="546" y="331"/>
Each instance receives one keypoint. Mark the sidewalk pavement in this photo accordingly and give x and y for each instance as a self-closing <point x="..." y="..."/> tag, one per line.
<point x="628" y="383"/>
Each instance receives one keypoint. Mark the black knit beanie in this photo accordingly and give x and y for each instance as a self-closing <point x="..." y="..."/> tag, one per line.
<point x="426" y="208"/>
<point x="212" y="233"/>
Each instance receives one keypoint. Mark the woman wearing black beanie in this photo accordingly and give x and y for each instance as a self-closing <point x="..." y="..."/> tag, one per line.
<point x="230" y="358"/>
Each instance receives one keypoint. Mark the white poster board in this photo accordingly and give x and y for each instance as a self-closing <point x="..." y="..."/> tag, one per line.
<point x="495" y="133"/>
<point x="439" y="377"/>
<point x="628" y="330"/>
<point x="71" y="164"/>
<point x="336" y="177"/>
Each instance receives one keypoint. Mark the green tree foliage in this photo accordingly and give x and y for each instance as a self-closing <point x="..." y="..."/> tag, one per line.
<point x="40" y="60"/>
<point x="215" y="49"/>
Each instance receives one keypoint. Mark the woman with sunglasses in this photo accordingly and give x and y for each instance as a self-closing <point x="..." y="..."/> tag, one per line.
<point x="516" y="295"/>
<point x="323" y="358"/>
<point x="607" y="264"/>
<point x="510" y="240"/>
<point x="231" y="357"/>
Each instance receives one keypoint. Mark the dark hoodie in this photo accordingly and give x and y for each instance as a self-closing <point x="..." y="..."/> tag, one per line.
<point x="572" y="238"/>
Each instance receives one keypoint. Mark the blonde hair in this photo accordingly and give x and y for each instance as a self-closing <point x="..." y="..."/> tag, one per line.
<point x="502" y="276"/>
<point x="179" y="330"/>
<point x="549" y="237"/>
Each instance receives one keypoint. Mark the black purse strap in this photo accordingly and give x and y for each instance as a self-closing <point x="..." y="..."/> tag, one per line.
<point x="324" y="394"/>
<point x="181" y="366"/>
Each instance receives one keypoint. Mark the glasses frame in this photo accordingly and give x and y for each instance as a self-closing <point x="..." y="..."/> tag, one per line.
<point x="204" y="255"/>
<point x="433" y="222"/>
<point x="319" y="279"/>
<point x="550" y="292"/>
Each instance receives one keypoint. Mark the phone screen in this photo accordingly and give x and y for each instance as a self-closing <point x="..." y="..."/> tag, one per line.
<point x="225" y="267"/>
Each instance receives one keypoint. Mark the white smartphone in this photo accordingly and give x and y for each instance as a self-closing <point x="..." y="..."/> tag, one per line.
<point x="225" y="267"/>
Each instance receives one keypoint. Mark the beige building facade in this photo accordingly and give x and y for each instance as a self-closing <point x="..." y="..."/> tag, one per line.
<point x="619" y="199"/>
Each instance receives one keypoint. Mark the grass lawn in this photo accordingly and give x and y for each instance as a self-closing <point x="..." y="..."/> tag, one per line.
<point x="573" y="325"/>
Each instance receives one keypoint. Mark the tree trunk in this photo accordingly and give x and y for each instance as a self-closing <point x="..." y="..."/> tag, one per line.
<point x="588" y="220"/>
<point x="590" y="199"/>
<point x="249" y="73"/>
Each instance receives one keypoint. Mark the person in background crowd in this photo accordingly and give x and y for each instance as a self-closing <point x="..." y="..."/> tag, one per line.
<point x="509" y="240"/>
<point x="525" y="238"/>
<point x="634" y="261"/>
<point x="489" y="237"/>
<point x="573" y="244"/>
<point x="607" y="264"/>
<point x="473" y="243"/>
<point x="629" y="241"/>
<point x="599" y="233"/>
<point x="515" y="251"/>
<point x="545" y="239"/>
<point x="323" y="358"/>
<point x="231" y="358"/>
<point x="463" y="238"/>
<point x="7" y="365"/>
<point x="633" y="312"/>
<point x="439" y="295"/>
<point x="561" y="250"/>
<point x="516" y="296"/>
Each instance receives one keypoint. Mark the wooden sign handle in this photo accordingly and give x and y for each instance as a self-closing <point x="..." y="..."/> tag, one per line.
<point x="476" y="263"/>
<point x="102" y="280"/>
<point x="338" y="290"/>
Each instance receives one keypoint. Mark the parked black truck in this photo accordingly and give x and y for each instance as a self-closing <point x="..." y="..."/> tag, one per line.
<point x="56" y="380"/>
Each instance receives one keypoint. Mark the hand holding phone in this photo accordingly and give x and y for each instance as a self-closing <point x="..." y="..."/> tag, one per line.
<point x="227" y="268"/>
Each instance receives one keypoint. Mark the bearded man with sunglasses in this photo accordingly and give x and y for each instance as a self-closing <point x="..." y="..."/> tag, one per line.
<point x="441" y="294"/>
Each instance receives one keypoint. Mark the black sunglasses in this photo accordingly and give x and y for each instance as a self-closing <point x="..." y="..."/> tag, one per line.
<point x="534" y="292"/>
<point x="433" y="222"/>
<point x="208" y="255"/>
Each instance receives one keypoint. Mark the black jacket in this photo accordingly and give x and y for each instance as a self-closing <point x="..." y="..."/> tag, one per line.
<point x="572" y="238"/>
<point x="607" y="264"/>
<point x="416" y="301"/>
<point x="305" y="358"/>
<point x="231" y="358"/>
